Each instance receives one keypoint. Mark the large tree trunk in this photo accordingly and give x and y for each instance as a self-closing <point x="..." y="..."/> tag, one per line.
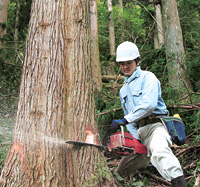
<point x="56" y="103"/>
<point x="95" y="59"/>
<point x="175" y="52"/>
<point x="3" y="17"/>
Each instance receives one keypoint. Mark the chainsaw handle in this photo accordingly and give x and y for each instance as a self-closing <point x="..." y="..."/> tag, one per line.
<point x="123" y="138"/>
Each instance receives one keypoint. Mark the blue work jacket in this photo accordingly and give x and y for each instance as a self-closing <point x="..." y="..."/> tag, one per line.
<point x="140" y="97"/>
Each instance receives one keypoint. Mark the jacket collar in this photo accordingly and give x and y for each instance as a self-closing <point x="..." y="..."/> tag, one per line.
<point x="135" y="74"/>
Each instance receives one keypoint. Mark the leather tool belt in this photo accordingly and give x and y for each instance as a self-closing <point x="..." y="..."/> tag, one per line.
<point x="149" y="120"/>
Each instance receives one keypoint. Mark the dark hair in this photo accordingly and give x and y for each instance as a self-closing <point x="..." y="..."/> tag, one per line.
<point x="137" y="60"/>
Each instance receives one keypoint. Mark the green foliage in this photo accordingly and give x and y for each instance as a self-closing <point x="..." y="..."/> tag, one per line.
<point x="129" y="23"/>
<point x="192" y="121"/>
<point x="155" y="62"/>
<point x="3" y="154"/>
<point x="145" y="181"/>
<point x="12" y="55"/>
<point x="133" y="182"/>
<point x="135" y="24"/>
<point x="189" y="13"/>
<point x="103" y="33"/>
<point x="107" y="100"/>
<point x="24" y="16"/>
<point x="119" y="178"/>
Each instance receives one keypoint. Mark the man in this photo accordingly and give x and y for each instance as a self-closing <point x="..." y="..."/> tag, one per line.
<point x="142" y="103"/>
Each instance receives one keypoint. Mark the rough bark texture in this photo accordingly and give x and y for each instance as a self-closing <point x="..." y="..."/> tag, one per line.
<point x="3" y="17"/>
<point x="95" y="59"/>
<point x="56" y="103"/>
<point x="174" y="45"/>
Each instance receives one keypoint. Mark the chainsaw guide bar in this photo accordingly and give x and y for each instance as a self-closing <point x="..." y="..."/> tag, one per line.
<point x="118" y="144"/>
<point x="84" y="143"/>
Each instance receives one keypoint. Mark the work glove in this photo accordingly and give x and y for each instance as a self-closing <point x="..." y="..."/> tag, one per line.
<point x="117" y="123"/>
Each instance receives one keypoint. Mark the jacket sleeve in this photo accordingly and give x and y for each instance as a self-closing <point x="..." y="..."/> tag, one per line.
<point x="147" y="99"/>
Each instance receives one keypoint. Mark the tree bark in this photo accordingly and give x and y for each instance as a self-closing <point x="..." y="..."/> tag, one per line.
<point x="3" y="17"/>
<point x="16" y="34"/>
<point x="159" y="26"/>
<point x="158" y="30"/>
<point x="95" y="59"/>
<point x="120" y="6"/>
<point x="111" y="29"/>
<point x="56" y="103"/>
<point x="175" y="52"/>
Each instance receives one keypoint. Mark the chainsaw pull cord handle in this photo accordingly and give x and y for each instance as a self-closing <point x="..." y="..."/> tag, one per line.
<point x="123" y="138"/>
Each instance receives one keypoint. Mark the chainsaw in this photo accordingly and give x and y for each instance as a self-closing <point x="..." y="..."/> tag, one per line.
<point x="117" y="145"/>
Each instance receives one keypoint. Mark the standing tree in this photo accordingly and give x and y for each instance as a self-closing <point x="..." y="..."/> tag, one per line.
<point x="120" y="6"/>
<point x="56" y="103"/>
<point x="95" y="59"/>
<point x="111" y="29"/>
<point x="159" y="26"/>
<point x="16" y="34"/>
<point x="158" y="29"/>
<point x="3" y="17"/>
<point x="175" y="52"/>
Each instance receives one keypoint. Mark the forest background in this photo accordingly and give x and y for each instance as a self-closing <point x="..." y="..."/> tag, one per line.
<point x="139" y="27"/>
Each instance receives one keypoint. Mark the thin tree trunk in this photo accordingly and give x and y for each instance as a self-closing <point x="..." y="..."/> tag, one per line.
<point x="111" y="29"/>
<point x="155" y="39"/>
<point x="16" y="34"/>
<point x="159" y="25"/>
<point x="95" y="59"/>
<point x="120" y="5"/>
<point x="110" y="69"/>
<point x="175" y="52"/>
<point x="155" y="31"/>
<point x="56" y="103"/>
<point x="3" y="17"/>
<point x="158" y="30"/>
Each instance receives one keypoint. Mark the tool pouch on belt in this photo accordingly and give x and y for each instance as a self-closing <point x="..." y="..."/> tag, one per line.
<point x="176" y="129"/>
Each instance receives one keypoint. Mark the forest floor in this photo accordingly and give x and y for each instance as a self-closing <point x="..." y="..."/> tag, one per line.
<point x="188" y="155"/>
<point x="6" y="133"/>
<point x="6" y="129"/>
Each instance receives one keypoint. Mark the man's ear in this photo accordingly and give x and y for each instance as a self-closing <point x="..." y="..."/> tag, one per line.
<point x="138" y="63"/>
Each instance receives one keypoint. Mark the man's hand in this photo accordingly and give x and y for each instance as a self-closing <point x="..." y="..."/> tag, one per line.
<point x="117" y="123"/>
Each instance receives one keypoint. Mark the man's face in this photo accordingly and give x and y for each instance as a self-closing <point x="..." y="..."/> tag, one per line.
<point x="128" y="67"/>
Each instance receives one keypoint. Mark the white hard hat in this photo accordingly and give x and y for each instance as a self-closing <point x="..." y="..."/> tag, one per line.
<point x="127" y="51"/>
